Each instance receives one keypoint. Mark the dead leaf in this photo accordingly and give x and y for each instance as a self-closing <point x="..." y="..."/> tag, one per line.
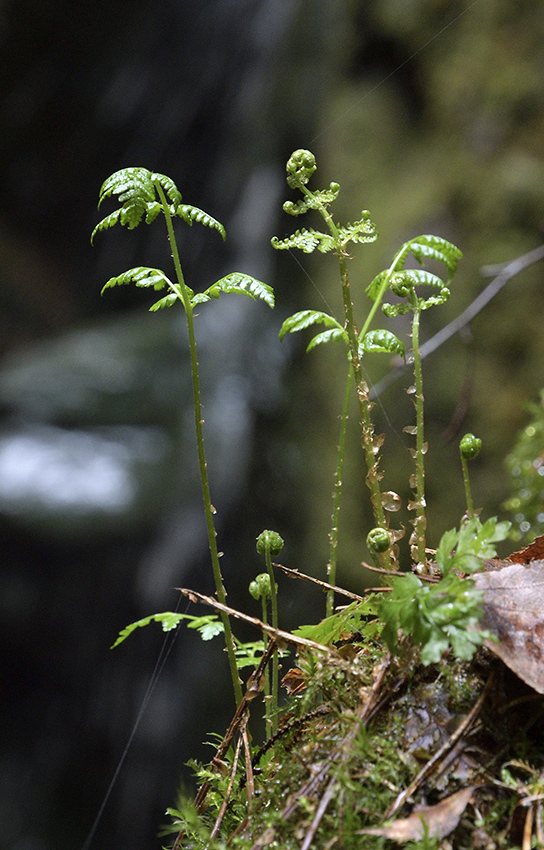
<point x="514" y="613"/>
<point x="293" y="681"/>
<point x="533" y="552"/>
<point x="439" y="820"/>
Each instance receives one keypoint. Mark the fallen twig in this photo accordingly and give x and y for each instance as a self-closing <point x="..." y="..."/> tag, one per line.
<point x="325" y="585"/>
<point x="276" y="634"/>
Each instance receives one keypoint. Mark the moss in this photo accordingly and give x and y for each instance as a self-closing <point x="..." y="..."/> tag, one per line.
<point x="356" y="736"/>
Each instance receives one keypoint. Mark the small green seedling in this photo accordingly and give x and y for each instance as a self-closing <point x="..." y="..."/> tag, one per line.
<point x="270" y="543"/>
<point x="469" y="448"/>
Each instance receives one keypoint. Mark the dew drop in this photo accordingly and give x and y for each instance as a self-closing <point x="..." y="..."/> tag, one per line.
<point x="391" y="501"/>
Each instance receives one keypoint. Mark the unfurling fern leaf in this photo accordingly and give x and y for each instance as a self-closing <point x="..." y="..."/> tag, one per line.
<point x="138" y="194"/>
<point x="189" y="214"/>
<point x="381" y="342"/>
<point x="141" y="276"/>
<point x="238" y="283"/>
<point x="333" y="335"/>
<point x="167" y="301"/>
<point x="306" y="240"/>
<point x="305" y="319"/>
<point x="434" y="247"/>
<point x="312" y="202"/>
<point x="360" y="231"/>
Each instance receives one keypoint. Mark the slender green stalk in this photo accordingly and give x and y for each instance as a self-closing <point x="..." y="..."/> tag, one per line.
<point x="209" y="510"/>
<point x="261" y="588"/>
<point x="273" y="715"/>
<point x="382" y="290"/>
<point x="363" y="397"/>
<point x="331" y="566"/>
<point x="367" y="429"/>
<point x="420" y="523"/>
<point x="468" y="492"/>
<point x="266" y="678"/>
<point x="469" y="448"/>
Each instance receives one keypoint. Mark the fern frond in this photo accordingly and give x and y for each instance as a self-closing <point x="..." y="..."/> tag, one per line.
<point x="141" y="276"/>
<point x="375" y="285"/>
<point x="136" y="192"/>
<point x="434" y="247"/>
<point x="189" y="214"/>
<point x="242" y="284"/>
<point x="168" y="301"/>
<point x="360" y="231"/>
<point x="171" y="190"/>
<point x="313" y="202"/>
<point x="167" y="619"/>
<point x="207" y="625"/>
<point x="129" y="183"/>
<point x="306" y="318"/>
<point x="381" y="342"/>
<point x="421" y="277"/>
<point x="306" y="240"/>
<point x="332" y="335"/>
<point x="106" y="223"/>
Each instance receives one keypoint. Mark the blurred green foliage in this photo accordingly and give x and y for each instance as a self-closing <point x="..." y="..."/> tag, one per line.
<point x="525" y="465"/>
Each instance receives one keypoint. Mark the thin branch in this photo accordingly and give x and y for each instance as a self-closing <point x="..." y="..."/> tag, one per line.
<point x="321" y="809"/>
<point x="324" y="584"/>
<point x="225" y="802"/>
<point x="277" y="634"/>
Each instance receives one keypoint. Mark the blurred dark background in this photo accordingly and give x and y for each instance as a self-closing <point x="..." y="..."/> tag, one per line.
<point x="429" y="113"/>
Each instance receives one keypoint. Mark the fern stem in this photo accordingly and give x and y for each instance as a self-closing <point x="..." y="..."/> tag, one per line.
<point x="331" y="566"/>
<point x="209" y="510"/>
<point x="367" y="429"/>
<point x="266" y="678"/>
<point x="382" y="290"/>
<point x="468" y="492"/>
<point x="272" y="716"/>
<point x="363" y="397"/>
<point x="420" y="523"/>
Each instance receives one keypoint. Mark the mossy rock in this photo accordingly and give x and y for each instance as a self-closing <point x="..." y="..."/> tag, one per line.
<point x="365" y="741"/>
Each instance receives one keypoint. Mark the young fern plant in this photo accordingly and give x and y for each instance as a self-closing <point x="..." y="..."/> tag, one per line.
<point x="406" y="284"/>
<point x="402" y="283"/>
<point x="144" y="196"/>
<point x="436" y="616"/>
<point x="300" y="167"/>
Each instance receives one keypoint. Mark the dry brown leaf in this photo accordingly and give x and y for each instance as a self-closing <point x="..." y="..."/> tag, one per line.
<point x="514" y="612"/>
<point x="533" y="552"/>
<point x="439" y="820"/>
